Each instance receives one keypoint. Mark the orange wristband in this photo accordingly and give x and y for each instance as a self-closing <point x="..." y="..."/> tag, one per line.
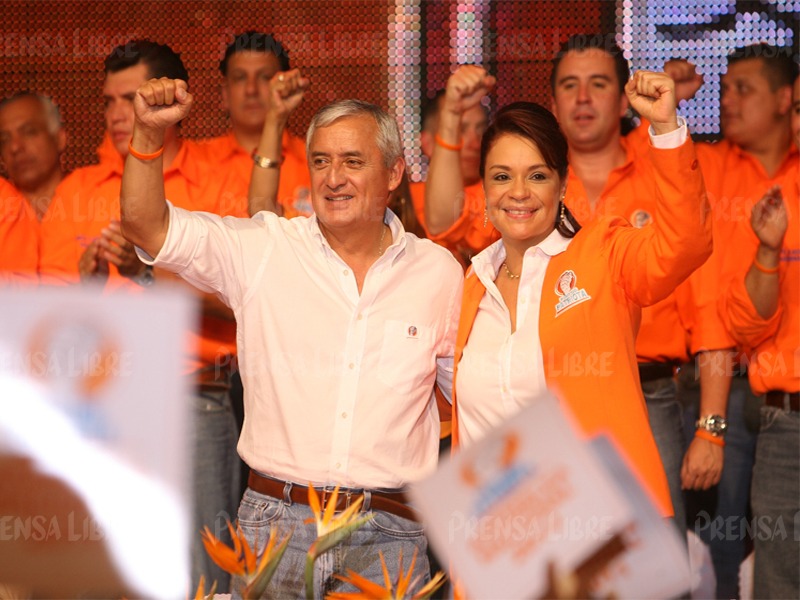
<point x="707" y="436"/>
<point x="440" y="142"/>
<point x="142" y="156"/>
<point x="764" y="269"/>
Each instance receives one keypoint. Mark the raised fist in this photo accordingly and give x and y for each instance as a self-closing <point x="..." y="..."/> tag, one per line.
<point x="652" y="95"/>
<point x="466" y="87"/>
<point x="160" y="103"/>
<point x="286" y="92"/>
<point x="684" y="74"/>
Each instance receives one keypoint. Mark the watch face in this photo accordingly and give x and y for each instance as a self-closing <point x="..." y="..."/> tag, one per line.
<point x="704" y="32"/>
<point x="714" y="424"/>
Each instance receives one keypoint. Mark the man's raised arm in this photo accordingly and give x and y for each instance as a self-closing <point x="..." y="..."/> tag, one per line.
<point x="158" y="104"/>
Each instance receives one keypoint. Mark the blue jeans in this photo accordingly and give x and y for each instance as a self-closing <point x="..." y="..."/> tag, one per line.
<point x="722" y="521"/>
<point x="386" y="532"/>
<point x="665" y="414"/>
<point x="215" y="486"/>
<point x="776" y="505"/>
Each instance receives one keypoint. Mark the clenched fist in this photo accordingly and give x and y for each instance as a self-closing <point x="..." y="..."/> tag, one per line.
<point x="160" y="103"/>
<point x="652" y="95"/>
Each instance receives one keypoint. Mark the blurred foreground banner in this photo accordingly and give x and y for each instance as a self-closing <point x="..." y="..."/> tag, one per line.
<point x="94" y="458"/>
<point x="530" y="495"/>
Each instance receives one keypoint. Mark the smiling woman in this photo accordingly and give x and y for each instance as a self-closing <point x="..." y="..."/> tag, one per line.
<point x="548" y="300"/>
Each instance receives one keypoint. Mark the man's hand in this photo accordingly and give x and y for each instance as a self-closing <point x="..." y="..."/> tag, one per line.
<point x="687" y="79"/>
<point x="466" y="87"/>
<point x="652" y="95"/>
<point x="286" y="92"/>
<point x="769" y="219"/>
<point x="92" y="267"/>
<point x="160" y="103"/>
<point x="118" y="251"/>
<point x="702" y="465"/>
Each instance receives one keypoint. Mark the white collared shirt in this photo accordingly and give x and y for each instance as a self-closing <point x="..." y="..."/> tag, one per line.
<point x="338" y="386"/>
<point x="500" y="372"/>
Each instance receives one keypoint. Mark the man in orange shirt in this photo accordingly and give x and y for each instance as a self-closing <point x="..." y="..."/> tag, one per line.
<point x="250" y="62"/>
<point x="81" y="240"/>
<point x="32" y="141"/>
<point x="761" y="308"/>
<point x="756" y="153"/>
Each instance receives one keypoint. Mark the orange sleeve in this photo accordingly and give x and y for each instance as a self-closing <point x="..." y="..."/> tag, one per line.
<point x="747" y="327"/>
<point x="417" y="189"/>
<point x="651" y="262"/>
<point x="469" y="230"/>
<point x="19" y="238"/>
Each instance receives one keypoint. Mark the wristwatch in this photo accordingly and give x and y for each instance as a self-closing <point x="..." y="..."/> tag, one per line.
<point x="146" y="277"/>
<point x="713" y="424"/>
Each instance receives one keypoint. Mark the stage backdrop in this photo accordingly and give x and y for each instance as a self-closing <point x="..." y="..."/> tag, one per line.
<point x="391" y="52"/>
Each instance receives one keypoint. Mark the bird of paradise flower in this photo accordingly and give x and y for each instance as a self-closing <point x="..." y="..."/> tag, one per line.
<point x="241" y="560"/>
<point x="369" y="590"/>
<point x="330" y="530"/>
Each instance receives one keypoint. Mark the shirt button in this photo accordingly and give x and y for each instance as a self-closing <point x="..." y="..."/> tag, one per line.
<point x="345" y="272"/>
<point x="505" y="390"/>
<point x="360" y="316"/>
<point x="338" y="465"/>
<point x="344" y="415"/>
<point x="351" y="366"/>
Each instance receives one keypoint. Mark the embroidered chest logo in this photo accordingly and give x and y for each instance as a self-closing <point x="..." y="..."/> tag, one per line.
<point x="569" y="294"/>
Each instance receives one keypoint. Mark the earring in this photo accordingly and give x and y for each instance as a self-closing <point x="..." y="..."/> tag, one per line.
<point x="485" y="218"/>
<point x="563" y="210"/>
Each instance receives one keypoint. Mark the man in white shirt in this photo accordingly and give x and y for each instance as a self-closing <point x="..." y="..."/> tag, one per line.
<point x="345" y="322"/>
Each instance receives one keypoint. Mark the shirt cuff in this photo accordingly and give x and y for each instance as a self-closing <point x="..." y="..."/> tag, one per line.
<point x="673" y="139"/>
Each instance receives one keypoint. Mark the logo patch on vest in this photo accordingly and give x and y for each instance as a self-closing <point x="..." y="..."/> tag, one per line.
<point x="568" y="292"/>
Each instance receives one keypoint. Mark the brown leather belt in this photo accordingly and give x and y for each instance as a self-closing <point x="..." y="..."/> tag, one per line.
<point x="784" y="400"/>
<point x="656" y="370"/>
<point x="395" y="503"/>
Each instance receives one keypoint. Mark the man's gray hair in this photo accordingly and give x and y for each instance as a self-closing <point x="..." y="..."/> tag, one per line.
<point x="51" y="112"/>
<point x="388" y="138"/>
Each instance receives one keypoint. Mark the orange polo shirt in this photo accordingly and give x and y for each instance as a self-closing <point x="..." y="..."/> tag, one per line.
<point x="88" y="199"/>
<point x="19" y="238"/>
<point x="772" y="345"/>
<point x="735" y="181"/>
<point x="629" y="192"/>
<point x="620" y="268"/>
<point x="227" y="156"/>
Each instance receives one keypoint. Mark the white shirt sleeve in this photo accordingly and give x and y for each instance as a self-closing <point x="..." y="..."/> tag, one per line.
<point x="673" y="139"/>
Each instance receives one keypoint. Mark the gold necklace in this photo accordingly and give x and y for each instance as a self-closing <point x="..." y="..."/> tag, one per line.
<point x="508" y="271"/>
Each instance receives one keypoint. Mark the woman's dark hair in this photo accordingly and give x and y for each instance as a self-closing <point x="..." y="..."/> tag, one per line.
<point x="537" y="125"/>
